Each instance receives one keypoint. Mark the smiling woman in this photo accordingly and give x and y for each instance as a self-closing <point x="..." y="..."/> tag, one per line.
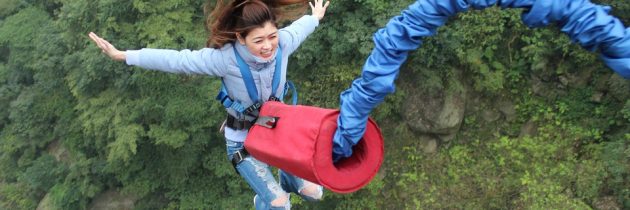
<point x="262" y="42"/>
<point x="249" y="53"/>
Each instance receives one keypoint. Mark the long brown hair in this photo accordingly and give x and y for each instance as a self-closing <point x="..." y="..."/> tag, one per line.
<point x="241" y="16"/>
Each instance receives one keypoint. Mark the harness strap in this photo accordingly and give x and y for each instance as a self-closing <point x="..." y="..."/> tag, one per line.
<point x="294" y="93"/>
<point x="233" y="123"/>
<point x="248" y="79"/>
<point x="275" y="82"/>
<point x="238" y="157"/>
<point x="252" y="91"/>
<point x="227" y="102"/>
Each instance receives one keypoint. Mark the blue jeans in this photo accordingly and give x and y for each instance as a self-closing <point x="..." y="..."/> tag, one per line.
<point x="260" y="178"/>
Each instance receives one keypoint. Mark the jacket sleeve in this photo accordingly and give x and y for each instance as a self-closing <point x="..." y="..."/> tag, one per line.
<point x="293" y="35"/>
<point x="207" y="61"/>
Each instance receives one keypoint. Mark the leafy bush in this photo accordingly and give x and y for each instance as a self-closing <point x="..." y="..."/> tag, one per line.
<point x="153" y="135"/>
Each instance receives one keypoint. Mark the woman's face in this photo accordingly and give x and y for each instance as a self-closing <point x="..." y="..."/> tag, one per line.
<point x="262" y="42"/>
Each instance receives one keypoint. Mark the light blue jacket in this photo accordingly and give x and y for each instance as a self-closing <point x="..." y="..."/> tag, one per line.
<point x="222" y="63"/>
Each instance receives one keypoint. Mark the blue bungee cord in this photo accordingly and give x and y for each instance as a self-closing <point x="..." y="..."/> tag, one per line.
<point x="586" y="23"/>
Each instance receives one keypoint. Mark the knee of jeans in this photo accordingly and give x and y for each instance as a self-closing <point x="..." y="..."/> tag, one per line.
<point x="313" y="192"/>
<point x="281" y="201"/>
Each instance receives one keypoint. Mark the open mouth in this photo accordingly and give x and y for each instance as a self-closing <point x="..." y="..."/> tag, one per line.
<point x="266" y="54"/>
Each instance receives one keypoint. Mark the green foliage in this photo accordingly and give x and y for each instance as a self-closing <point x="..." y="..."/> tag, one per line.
<point x="616" y="161"/>
<point x="43" y="174"/>
<point x="542" y="172"/>
<point x="164" y="23"/>
<point x="323" y="88"/>
<point x="619" y="9"/>
<point x="16" y="196"/>
<point x="626" y="110"/>
<point x="346" y="38"/>
<point x="8" y="6"/>
<point x="67" y="197"/>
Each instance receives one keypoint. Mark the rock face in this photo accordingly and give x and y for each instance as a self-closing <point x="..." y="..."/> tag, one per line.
<point x="428" y="144"/>
<point x="435" y="111"/>
<point x="507" y="108"/>
<point x="619" y="87"/>
<point x="45" y="203"/>
<point x="529" y="129"/>
<point x="606" y="203"/>
<point x="60" y="153"/>
<point x="112" y="199"/>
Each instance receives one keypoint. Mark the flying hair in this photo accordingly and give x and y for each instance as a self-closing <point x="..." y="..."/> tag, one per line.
<point x="232" y="17"/>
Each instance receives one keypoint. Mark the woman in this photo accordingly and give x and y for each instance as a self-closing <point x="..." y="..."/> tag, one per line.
<point x="247" y="30"/>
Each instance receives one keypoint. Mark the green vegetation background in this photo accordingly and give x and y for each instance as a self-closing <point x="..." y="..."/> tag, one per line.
<point x="153" y="136"/>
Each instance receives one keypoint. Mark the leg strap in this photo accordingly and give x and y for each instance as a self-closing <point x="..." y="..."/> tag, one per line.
<point x="238" y="157"/>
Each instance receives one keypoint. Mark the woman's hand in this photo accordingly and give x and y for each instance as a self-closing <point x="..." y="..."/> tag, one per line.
<point x="108" y="48"/>
<point x="318" y="9"/>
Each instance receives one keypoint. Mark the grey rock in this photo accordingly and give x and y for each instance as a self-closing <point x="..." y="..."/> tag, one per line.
<point x="112" y="199"/>
<point x="507" y="108"/>
<point x="529" y="129"/>
<point x="435" y="112"/>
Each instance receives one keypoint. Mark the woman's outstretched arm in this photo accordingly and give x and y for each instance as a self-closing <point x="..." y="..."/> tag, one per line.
<point x="293" y="35"/>
<point x="206" y="61"/>
<point x="108" y="48"/>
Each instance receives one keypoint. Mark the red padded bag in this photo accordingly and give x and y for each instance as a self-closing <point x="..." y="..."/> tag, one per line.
<point x="301" y="144"/>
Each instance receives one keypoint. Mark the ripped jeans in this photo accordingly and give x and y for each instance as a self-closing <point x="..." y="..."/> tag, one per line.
<point x="260" y="178"/>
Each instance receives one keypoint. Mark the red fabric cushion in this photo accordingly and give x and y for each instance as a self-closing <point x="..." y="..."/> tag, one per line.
<point x="301" y="144"/>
